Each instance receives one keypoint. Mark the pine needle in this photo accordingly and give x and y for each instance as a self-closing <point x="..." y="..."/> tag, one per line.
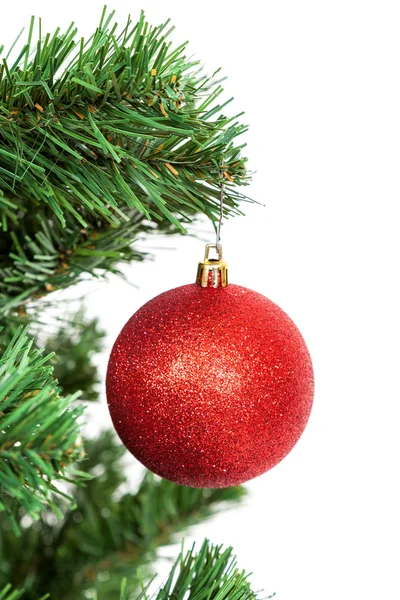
<point x="70" y="110"/>
<point x="209" y="574"/>
<point x="108" y="531"/>
<point x="39" y="431"/>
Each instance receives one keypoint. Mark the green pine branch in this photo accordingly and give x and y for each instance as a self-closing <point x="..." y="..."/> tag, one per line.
<point x="108" y="535"/>
<point x="41" y="256"/>
<point x="101" y="141"/>
<point x="209" y="574"/>
<point x="121" y="120"/>
<point x="39" y="437"/>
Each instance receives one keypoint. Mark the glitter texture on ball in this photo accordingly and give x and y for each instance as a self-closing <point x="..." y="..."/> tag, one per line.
<point x="209" y="387"/>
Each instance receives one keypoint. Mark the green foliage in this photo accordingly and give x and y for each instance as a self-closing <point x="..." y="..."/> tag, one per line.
<point x="107" y="535"/>
<point x="8" y="593"/>
<point x="211" y="574"/>
<point x="73" y="346"/>
<point x="101" y="140"/>
<point x="39" y="431"/>
<point x="120" y="120"/>
<point x="41" y="256"/>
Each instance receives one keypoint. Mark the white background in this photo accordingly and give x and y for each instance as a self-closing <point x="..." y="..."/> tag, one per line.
<point x="319" y="82"/>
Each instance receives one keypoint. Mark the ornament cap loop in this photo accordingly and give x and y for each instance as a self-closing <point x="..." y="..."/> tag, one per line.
<point x="212" y="272"/>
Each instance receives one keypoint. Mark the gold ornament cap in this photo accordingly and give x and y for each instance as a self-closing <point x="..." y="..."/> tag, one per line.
<point x="212" y="272"/>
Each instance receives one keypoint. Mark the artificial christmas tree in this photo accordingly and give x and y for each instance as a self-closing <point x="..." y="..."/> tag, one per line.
<point x="101" y="141"/>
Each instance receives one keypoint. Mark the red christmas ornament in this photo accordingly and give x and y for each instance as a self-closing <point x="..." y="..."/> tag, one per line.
<point x="209" y="384"/>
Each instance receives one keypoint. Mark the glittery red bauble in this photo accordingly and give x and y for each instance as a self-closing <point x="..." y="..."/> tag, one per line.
<point x="209" y="387"/>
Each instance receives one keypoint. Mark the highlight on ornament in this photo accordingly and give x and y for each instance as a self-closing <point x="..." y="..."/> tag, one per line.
<point x="210" y="384"/>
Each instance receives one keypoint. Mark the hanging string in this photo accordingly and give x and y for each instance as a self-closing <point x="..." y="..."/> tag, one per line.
<point x="221" y="205"/>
